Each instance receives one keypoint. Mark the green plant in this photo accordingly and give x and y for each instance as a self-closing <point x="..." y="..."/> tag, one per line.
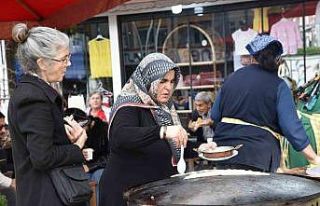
<point x="3" y="200"/>
<point x="309" y="51"/>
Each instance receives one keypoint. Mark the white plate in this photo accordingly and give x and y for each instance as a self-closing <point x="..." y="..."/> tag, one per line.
<point x="234" y="153"/>
<point x="313" y="171"/>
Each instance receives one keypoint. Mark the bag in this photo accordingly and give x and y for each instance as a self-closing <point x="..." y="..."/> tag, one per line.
<point x="71" y="184"/>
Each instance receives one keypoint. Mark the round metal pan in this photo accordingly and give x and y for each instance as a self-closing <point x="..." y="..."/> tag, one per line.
<point x="273" y="189"/>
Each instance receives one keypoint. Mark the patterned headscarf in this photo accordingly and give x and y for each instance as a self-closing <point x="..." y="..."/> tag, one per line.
<point x="260" y="42"/>
<point x="140" y="91"/>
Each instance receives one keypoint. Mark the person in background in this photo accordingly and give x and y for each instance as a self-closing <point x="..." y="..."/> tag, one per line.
<point x="96" y="109"/>
<point x="145" y="130"/>
<point x="7" y="184"/>
<point x="40" y="139"/>
<point x="201" y="124"/>
<point x="6" y="147"/>
<point x="3" y="130"/>
<point x="180" y="100"/>
<point x="7" y="188"/>
<point x="97" y="132"/>
<point x="255" y="106"/>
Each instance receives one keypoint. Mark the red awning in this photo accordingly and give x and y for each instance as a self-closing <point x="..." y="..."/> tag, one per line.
<point x="53" y="13"/>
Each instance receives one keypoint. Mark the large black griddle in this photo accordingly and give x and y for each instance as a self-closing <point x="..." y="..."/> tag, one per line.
<point x="273" y="189"/>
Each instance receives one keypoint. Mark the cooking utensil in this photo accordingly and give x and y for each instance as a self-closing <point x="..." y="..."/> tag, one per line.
<point x="246" y="189"/>
<point x="181" y="166"/>
<point x="238" y="147"/>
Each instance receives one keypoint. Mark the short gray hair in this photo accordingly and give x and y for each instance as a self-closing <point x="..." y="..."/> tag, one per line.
<point x="36" y="43"/>
<point x="203" y="96"/>
<point x="96" y="92"/>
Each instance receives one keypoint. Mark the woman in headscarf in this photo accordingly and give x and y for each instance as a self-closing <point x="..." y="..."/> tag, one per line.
<point x="255" y="107"/>
<point x="145" y="132"/>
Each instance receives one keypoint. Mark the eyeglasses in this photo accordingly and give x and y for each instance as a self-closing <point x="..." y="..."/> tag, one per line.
<point x="64" y="60"/>
<point x="3" y="126"/>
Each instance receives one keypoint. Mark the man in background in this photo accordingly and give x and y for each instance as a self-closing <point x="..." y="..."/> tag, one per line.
<point x="201" y="124"/>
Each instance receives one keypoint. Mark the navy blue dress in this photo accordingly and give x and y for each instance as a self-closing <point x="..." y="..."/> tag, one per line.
<point x="255" y="95"/>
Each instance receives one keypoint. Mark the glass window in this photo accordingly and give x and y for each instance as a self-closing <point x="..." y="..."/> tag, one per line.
<point x="210" y="45"/>
<point x="82" y="77"/>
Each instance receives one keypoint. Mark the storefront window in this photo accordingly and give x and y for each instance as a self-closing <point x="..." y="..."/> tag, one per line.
<point x="86" y="73"/>
<point x="138" y="41"/>
<point x="286" y="25"/>
<point x="210" y="45"/>
<point x="239" y="32"/>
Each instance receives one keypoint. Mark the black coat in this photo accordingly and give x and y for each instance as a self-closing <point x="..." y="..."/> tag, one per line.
<point x="98" y="141"/>
<point x="137" y="155"/>
<point x="39" y="141"/>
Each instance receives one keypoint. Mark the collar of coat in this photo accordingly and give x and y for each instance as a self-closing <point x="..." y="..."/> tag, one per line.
<point x="47" y="89"/>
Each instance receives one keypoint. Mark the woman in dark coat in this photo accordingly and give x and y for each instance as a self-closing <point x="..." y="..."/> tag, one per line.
<point x="40" y="140"/>
<point x="265" y="102"/>
<point x="97" y="131"/>
<point x="145" y="131"/>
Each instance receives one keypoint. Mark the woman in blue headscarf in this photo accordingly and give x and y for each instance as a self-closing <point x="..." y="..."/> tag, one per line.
<point x="145" y="133"/>
<point x="255" y="108"/>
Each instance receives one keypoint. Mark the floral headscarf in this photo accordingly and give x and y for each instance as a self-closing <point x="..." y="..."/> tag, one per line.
<point x="140" y="91"/>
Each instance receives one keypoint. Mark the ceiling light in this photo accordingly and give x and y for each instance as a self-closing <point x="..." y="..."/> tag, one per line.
<point x="198" y="10"/>
<point x="177" y="9"/>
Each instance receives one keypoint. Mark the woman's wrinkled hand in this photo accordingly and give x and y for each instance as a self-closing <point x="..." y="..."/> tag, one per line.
<point x="75" y="132"/>
<point x="178" y="134"/>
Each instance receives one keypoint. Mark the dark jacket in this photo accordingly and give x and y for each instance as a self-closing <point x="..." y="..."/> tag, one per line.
<point x="98" y="141"/>
<point x="39" y="141"/>
<point x="137" y="154"/>
<point x="253" y="100"/>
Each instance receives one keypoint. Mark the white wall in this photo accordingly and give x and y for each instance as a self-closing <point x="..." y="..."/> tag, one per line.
<point x="115" y="55"/>
<point x="4" y="83"/>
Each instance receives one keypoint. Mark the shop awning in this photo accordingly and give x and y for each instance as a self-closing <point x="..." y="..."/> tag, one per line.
<point x="53" y="13"/>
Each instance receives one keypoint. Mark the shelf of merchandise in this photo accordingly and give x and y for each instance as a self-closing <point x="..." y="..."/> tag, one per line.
<point x="196" y="87"/>
<point x="184" y="111"/>
<point x="185" y="64"/>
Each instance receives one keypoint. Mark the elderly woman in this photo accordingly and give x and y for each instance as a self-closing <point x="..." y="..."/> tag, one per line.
<point x="40" y="139"/>
<point x="253" y="107"/>
<point x="145" y="131"/>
